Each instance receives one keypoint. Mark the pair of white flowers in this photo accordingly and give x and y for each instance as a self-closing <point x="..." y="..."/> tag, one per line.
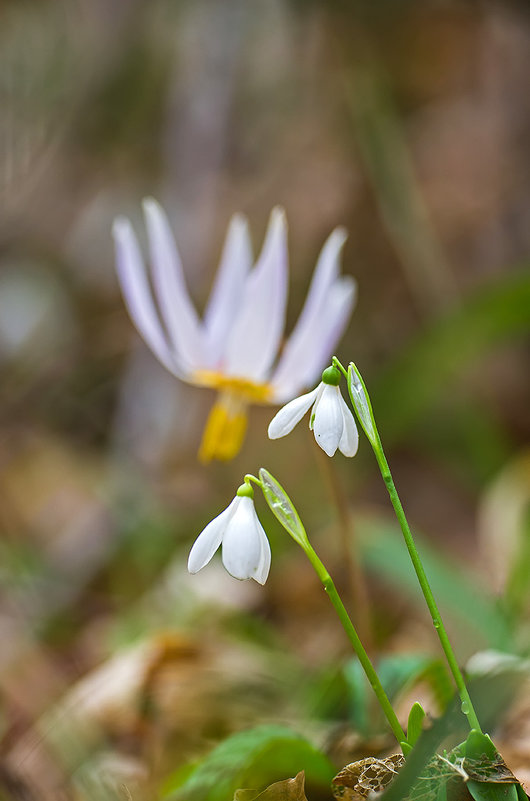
<point x="234" y="350"/>
<point x="245" y="548"/>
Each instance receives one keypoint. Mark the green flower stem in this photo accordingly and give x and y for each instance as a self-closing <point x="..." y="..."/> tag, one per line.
<point x="353" y="637"/>
<point x="362" y="406"/>
<point x="360" y="601"/>
<point x="467" y="706"/>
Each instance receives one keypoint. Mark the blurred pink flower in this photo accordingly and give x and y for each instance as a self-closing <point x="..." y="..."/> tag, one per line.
<point x="234" y="348"/>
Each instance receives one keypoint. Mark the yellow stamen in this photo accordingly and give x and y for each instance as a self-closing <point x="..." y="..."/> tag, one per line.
<point x="227" y="423"/>
<point x="225" y="429"/>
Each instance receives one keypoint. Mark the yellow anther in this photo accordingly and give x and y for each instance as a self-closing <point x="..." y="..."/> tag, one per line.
<point x="225" y="429"/>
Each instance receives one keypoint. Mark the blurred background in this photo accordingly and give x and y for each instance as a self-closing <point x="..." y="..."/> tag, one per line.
<point x="407" y="122"/>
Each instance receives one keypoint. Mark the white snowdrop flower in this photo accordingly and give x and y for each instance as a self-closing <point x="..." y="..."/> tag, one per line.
<point x="331" y="419"/>
<point x="246" y="551"/>
<point x="235" y="347"/>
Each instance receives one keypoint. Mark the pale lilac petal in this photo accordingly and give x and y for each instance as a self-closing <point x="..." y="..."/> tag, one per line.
<point x="226" y="295"/>
<point x="326" y="270"/>
<point x="255" y="335"/>
<point x="328" y="420"/>
<point x="262" y="571"/>
<point x="178" y="313"/>
<point x="320" y="346"/>
<point x="285" y="420"/>
<point x="242" y="546"/>
<point x="137" y="295"/>
<point x="349" y="441"/>
<point x="339" y="304"/>
<point x="210" y="538"/>
<point x="309" y="356"/>
<point x="290" y="374"/>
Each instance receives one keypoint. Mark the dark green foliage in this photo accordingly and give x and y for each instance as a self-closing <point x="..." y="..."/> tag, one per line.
<point x="254" y="758"/>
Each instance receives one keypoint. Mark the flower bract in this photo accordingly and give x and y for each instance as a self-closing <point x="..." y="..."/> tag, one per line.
<point x="246" y="551"/>
<point x="331" y="420"/>
<point x="235" y="348"/>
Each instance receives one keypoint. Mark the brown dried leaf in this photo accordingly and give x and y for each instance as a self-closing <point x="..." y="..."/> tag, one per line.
<point x="486" y="770"/>
<point x="355" y="781"/>
<point x="285" y="790"/>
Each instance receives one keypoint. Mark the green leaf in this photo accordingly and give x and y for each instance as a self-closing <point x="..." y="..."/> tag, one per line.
<point x="433" y="362"/>
<point x="454" y="588"/>
<point x="424" y="771"/>
<point x="521" y="795"/>
<point x="489" y="777"/>
<point x="359" y="699"/>
<point x="492" y="791"/>
<point x="254" y="758"/>
<point x="361" y="403"/>
<point x="505" y="533"/>
<point x="415" y="723"/>
<point x="479" y="746"/>
<point x="400" y="671"/>
<point x="282" y="507"/>
<point x="396" y="672"/>
<point x="441" y="793"/>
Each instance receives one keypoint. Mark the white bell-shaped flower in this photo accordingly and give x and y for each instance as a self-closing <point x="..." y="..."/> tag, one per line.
<point x="331" y="420"/>
<point x="246" y="551"/>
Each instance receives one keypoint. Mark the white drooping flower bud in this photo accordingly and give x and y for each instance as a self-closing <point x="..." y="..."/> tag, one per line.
<point x="246" y="551"/>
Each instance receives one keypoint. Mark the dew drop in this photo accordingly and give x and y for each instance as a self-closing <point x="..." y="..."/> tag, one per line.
<point x="465" y="707"/>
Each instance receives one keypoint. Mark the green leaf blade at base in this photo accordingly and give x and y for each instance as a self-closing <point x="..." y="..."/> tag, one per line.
<point x="254" y="758"/>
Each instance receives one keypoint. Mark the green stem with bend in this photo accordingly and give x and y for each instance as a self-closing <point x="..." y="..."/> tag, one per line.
<point x="353" y="637"/>
<point x="375" y="441"/>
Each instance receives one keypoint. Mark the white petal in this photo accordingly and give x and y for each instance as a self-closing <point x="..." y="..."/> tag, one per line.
<point x="320" y="390"/>
<point x="227" y="292"/>
<point x="137" y="295"/>
<point x="349" y="441"/>
<point x="210" y="538"/>
<point x="262" y="571"/>
<point x="285" y="420"/>
<point x="305" y="360"/>
<point x="306" y="332"/>
<point x="329" y="422"/>
<point x="178" y="313"/>
<point x="255" y="335"/>
<point x="242" y="546"/>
